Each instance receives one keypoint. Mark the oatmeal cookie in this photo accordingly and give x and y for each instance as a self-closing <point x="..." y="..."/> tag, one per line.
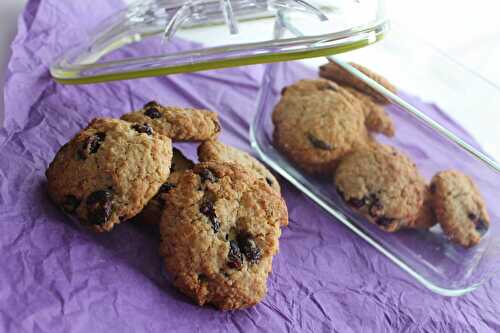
<point x="180" y="124"/>
<point x="459" y="207"/>
<point x="109" y="171"/>
<point x="315" y="131"/>
<point x="219" y="233"/>
<point x="383" y="185"/>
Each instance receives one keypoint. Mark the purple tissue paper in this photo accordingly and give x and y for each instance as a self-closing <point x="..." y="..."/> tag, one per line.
<point x="58" y="277"/>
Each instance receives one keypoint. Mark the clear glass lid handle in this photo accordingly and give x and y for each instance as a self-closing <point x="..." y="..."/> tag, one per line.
<point x="199" y="10"/>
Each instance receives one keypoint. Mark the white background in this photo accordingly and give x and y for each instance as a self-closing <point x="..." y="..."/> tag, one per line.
<point x="468" y="31"/>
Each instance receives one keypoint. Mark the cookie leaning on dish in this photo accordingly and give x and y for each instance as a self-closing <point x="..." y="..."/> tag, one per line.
<point x="180" y="124"/>
<point x="219" y="233"/>
<point x="153" y="210"/>
<point x="215" y="151"/>
<point x="108" y="172"/>
<point x="383" y="185"/>
<point x="333" y="71"/>
<point x="459" y="207"/>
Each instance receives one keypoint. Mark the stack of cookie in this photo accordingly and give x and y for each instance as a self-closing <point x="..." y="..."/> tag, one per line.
<point x="325" y="127"/>
<point x="220" y="220"/>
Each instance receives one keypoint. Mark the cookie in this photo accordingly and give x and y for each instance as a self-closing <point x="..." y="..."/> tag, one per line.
<point x="459" y="207"/>
<point x="333" y="71"/>
<point x="109" y="171"/>
<point x="315" y="131"/>
<point x="180" y="124"/>
<point x="153" y="210"/>
<point x="383" y="185"/>
<point x="219" y="233"/>
<point x="215" y="151"/>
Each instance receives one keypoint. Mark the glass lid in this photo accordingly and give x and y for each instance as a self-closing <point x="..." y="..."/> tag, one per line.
<point x="160" y="37"/>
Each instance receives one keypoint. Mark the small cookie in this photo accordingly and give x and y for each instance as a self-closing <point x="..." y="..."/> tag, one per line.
<point x="215" y="151"/>
<point x="315" y="131"/>
<point x="219" y="233"/>
<point x="459" y="207"/>
<point x="333" y="71"/>
<point x="153" y="210"/>
<point x="180" y="124"/>
<point x="382" y="184"/>
<point x="108" y="172"/>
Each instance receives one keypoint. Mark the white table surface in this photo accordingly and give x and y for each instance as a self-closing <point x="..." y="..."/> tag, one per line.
<point x="470" y="33"/>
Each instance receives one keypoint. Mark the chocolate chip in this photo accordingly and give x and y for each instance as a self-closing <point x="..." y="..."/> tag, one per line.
<point x="166" y="187"/>
<point x="91" y="145"/>
<point x="357" y="203"/>
<point x="217" y="127"/>
<point x="384" y="221"/>
<point x="151" y="110"/>
<point x="143" y="128"/>
<point x="172" y="167"/>
<point x="283" y="91"/>
<point x="207" y="174"/>
<point x="207" y="209"/>
<point x="70" y="203"/>
<point x="202" y="277"/>
<point x="269" y="181"/>
<point x="318" y="143"/>
<point x="481" y="226"/>
<point x="99" y="205"/>
<point x="215" y="224"/>
<point x="152" y="113"/>
<point x="376" y="207"/>
<point x="151" y="104"/>
<point x="251" y="251"/>
<point x="433" y="188"/>
<point x="472" y="216"/>
<point x="234" y="257"/>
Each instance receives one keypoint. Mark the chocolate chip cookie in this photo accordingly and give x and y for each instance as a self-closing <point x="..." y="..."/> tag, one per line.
<point x="215" y="151"/>
<point x="315" y="131"/>
<point x="180" y="124"/>
<point x="337" y="73"/>
<point x="153" y="210"/>
<point x="383" y="184"/>
<point x="219" y="233"/>
<point x="459" y="207"/>
<point x="108" y="172"/>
